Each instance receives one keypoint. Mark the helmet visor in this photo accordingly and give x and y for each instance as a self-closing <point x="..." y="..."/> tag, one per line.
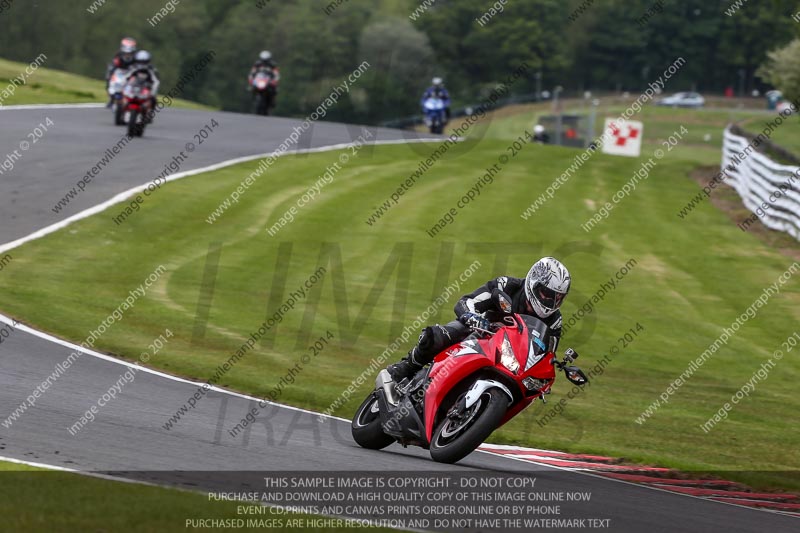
<point x="548" y="297"/>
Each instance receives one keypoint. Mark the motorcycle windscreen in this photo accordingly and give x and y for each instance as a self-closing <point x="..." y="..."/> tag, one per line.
<point x="261" y="81"/>
<point x="537" y="333"/>
<point x="434" y="104"/>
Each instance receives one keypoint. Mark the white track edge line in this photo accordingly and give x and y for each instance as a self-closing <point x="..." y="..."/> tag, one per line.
<point x="198" y="491"/>
<point x="75" y="471"/>
<point x="129" y="364"/>
<point x="121" y="197"/>
<point x="126" y="194"/>
<point x="17" y="107"/>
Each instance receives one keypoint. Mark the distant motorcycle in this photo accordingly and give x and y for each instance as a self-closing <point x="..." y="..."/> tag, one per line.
<point x="137" y="102"/>
<point x="540" y="135"/>
<point x="116" y="84"/>
<point x="471" y="389"/>
<point x="265" y="87"/>
<point x="434" y="110"/>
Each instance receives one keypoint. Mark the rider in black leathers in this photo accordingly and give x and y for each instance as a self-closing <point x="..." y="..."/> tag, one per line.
<point x="540" y="294"/>
<point x="142" y="66"/>
<point x="265" y="61"/>
<point x="123" y="59"/>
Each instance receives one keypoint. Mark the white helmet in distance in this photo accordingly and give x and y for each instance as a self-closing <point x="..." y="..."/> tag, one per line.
<point x="437" y="81"/>
<point x="538" y="129"/>
<point x="265" y="55"/>
<point x="143" y="56"/>
<point x="546" y="286"/>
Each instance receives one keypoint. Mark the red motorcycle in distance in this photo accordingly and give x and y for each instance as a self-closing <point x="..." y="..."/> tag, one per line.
<point x="471" y="389"/>
<point x="265" y="87"/>
<point x="137" y="103"/>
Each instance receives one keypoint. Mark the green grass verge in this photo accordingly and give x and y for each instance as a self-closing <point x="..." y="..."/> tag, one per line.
<point x="693" y="277"/>
<point x="701" y="145"/>
<point x="50" y="86"/>
<point x="35" y="499"/>
<point x="787" y="134"/>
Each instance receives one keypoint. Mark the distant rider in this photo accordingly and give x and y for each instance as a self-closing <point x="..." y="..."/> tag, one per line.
<point x="540" y="135"/>
<point x="142" y="68"/>
<point x="122" y="59"/>
<point x="438" y="90"/>
<point x="264" y="61"/>
<point x="540" y="294"/>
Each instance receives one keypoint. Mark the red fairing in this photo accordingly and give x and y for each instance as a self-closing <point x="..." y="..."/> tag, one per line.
<point x="446" y="373"/>
<point x="471" y="389"/>
<point x="460" y="361"/>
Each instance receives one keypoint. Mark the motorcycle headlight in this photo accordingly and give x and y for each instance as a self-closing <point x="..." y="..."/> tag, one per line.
<point x="507" y="356"/>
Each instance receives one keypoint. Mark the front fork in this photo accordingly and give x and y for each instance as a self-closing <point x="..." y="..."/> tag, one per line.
<point x="468" y="399"/>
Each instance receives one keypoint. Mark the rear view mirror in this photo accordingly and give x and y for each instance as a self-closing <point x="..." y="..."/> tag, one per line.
<point x="575" y="375"/>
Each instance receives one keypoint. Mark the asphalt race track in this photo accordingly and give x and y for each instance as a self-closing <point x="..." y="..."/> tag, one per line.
<point x="80" y="137"/>
<point x="128" y="434"/>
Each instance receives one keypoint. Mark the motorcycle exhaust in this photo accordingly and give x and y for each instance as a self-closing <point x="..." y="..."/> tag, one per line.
<point x="384" y="381"/>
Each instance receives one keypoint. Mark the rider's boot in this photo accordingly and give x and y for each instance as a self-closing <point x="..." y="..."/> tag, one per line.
<point x="407" y="367"/>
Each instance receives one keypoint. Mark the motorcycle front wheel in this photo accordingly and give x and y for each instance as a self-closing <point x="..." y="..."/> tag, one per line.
<point x="262" y="104"/>
<point x="132" y="119"/>
<point x="457" y="437"/>
<point x="119" y="114"/>
<point x="366" y="426"/>
<point x="135" y="124"/>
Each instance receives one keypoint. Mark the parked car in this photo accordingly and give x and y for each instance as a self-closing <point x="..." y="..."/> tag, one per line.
<point x="785" y="108"/>
<point x="683" y="100"/>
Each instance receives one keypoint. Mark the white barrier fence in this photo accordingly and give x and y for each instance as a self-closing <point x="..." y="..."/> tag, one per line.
<point x="768" y="189"/>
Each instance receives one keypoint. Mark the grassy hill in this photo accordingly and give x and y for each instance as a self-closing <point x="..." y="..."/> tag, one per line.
<point x="692" y="278"/>
<point x="50" y="86"/>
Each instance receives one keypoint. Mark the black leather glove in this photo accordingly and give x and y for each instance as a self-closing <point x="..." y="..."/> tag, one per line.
<point x="474" y="321"/>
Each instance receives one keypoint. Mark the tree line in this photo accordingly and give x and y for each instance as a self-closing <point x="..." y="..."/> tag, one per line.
<point x="608" y="45"/>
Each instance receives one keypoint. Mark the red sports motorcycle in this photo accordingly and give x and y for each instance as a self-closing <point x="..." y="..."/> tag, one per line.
<point x="471" y="389"/>
<point x="137" y="103"/>
<point x="265" y="88"/>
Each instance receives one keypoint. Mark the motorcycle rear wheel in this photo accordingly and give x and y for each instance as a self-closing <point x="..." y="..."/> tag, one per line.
<point x="455" y="439"/>
<point x="366" y="426"/>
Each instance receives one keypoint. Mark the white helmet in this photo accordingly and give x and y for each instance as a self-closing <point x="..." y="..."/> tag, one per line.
<point x="437" y="81"/>
<point x="546" y="286"/>
<point x="538" y="129"/>
<point x="265" y="55"/>
<point x="143" y="56"/>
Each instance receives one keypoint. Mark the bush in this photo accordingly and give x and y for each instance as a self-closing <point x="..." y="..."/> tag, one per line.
<point x="782" y="69"/>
